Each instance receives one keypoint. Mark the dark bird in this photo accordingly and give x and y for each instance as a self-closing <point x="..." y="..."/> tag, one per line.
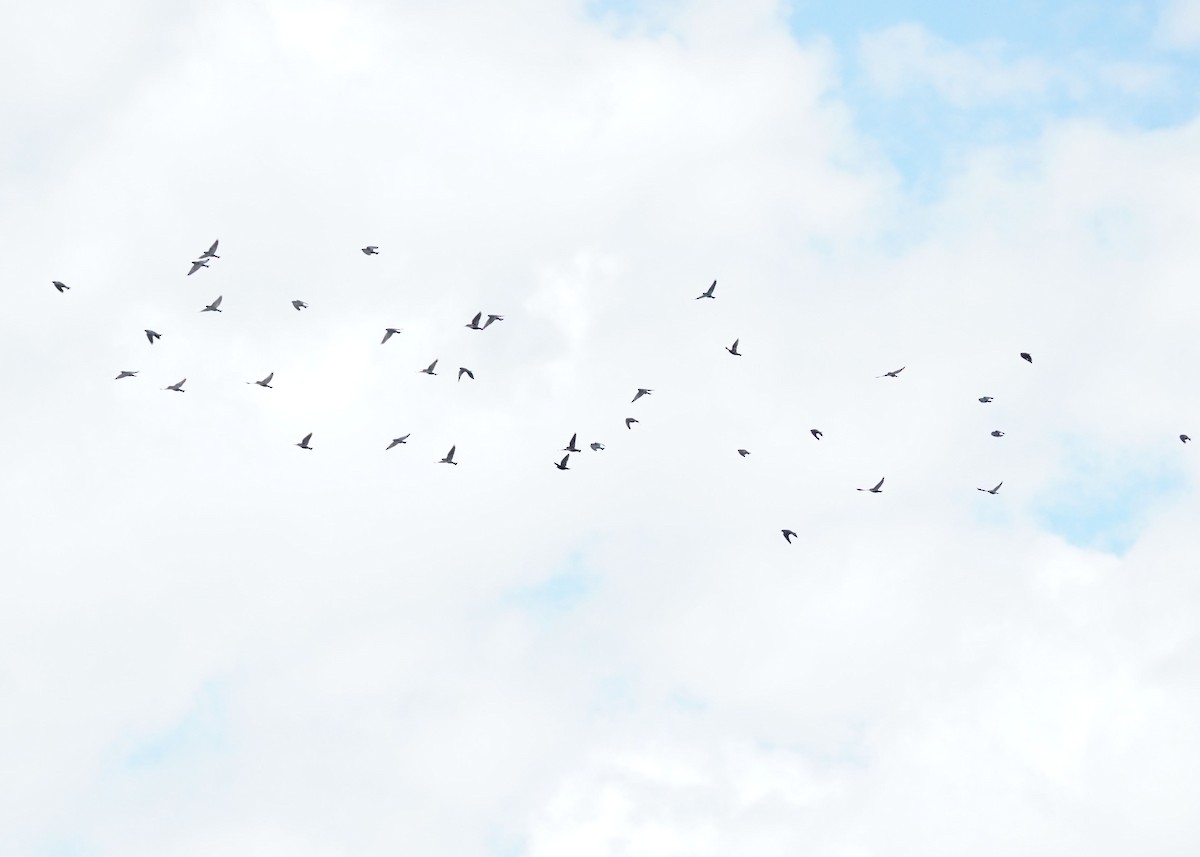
<point x="303" y="444"/>
<point x="388" y="333"/>
<point x="743" y="452"/>
<point x="62" y="287"/>
<point x="991" y="491"/>
<point x="126" y="374"/>
<point x="462" y="370"/>
<point x="878" y="489"/>
<point x="562" y="465"/>
<point x="492" y="318"/>
<point x="151" y="335"/>
<point x="211" y="252"/>
<point x="215" y="306"/>
<point x="299" y="305"/>
<point x="985" y="399"/>
<point x="197" y="265"/>
<point x="428" y="370"/>
<point x="708" y="293"/>
<point x="398" y="441"/>
<point x="177" y="387"/>
<point x="570" y="447"/>
<point x="1025" y="356"/>
<point x="474" y="323"/>
<point x="789" y="535"/>
<point x="816" y="433"/>
<point x="1184" y="438"/>
<point x="449" y="459"/>
<point x="629" y="421"/>
<point x="997" y="433"/>
<point x="596" y="446"/>
<point x="732" y="349"/>
<point x="642" y="391"/>
<point x="371" y="250"/>
<point x="265" y="382"/>
<point x="893" y="374"/>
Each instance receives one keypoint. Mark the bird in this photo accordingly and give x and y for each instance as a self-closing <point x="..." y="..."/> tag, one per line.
<point x="215" y="306"/>
<point x="177" y="387"/>
<point x="370" y="250"/>
<point x="570" y="447"/>
<point x="125" y="373"/>
<point x="474" y="323"/>
<point x="816" y="433"/>
<point x="428" y="370"/>
<point x="490" y="319"/>
<point x="878" y="489"/>
<point x="299" y="305"/>
<point x="562" y="465"/>
<point x="743" y="452"/>
<point x="449" y="459"/>
<point x="788" y="535"/>
<point x="387" y="334"/>
<point x="893" y="374"/>
<point x="398" y="440"/>
<point x="1025" y="356"/>
<point x="997" y="433"/>
<point x="265" y="382"/>
<point x="211" y="252"/>
<point x="991" y="491"/>
<point x="708" y="293"/>
<point x="62" y="287"/>
<point x="985" y="399"/>
<point x="463" y="370"/>
<point x="1184" y="438"/>
<point x="629" y="421"/>
<point x="642" y="391"/>
<point x="732" y="349"/>
<point x="303" y="444"/>
<point x="197" y="265"/>
<point x="596" y="447"/>
<point x="151" y="335"/>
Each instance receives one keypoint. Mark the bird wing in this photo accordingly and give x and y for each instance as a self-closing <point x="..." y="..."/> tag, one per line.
<point x="213" y="248"/>
<point x="217" y="302"/>
<point x="563" y="463"/>
<point x="304" y="441"/>
<point x="196" y="266"/>
<point x="997" y="488"/>
<point x="475" y="320"/>
<point x="571" y="442"/>
<point x="450" y="454"/>
<point x="267" y="380"/>
<point x="878" y="485"/>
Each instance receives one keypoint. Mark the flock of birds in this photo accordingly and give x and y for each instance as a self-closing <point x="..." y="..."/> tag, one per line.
<point x="210" y="255"/>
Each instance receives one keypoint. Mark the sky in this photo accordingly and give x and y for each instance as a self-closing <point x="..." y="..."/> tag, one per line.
<point x="214" y="642"/>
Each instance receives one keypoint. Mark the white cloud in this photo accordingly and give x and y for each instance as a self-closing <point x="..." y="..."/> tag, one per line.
<point x="1179" y="24"/>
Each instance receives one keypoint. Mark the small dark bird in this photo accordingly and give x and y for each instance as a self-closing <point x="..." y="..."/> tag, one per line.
<point x="428" y="370"/>
<point x="389" y="333"/>
<point x="126" y="374"/>
<point x="492" y="318"/>
<point x="642" y="391"/>
<point x="211" y="252"/>
<point x="62" y="287"/>
<point x="985" y="399"/>
<point x="708" y="293"/>
<point x="474" y="323"/>
<point x="151" y="335"/>
<point x="629" y="421"/>
<point x="303" y="444"/>
<point x="215" y="306"/>
<point x="462" y="370"/>
<point x="398" y="441"/>
<point x="997" y="433"/>
<point x="265" y="382"/>
<point x="991" y="491"/>
<point x="177" y="387"/>
<point x="570" y="447"/>
<point x="732" y="349"/>
<point x="1184" y="438"/>
<point x="371" y="250"/>
<point x="895" y="373"/>
<point x="562" y="465"/>
<point x="449" y="459"/>
<point x="743" y="452"/>
<point x="816" y="433"/>
<point x="299" y="305"/>
<point x="789" y="535"/>
<point x="596" y="446"/>
<point x="878" y="489"/>
<point x="1025" y="356"/>
<point x="197" y="265"/>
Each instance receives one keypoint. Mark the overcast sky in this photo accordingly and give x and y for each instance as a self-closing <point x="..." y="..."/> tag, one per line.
<point x="212" y="642"/>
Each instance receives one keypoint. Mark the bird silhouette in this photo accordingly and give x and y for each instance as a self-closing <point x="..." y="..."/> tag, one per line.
<point x="629" y="421"/>
<point x="492" y="318"/>
<point x="399" y="440"/>
<point x="449" y="459"/>
<point x="303" y="444"/>
<point x="371" y="250"/>
<point x="895" y="373"/>
<point x="732" y="349"/>
<point x="788" y="535"/>
<point x="642" y="391"/>
<point x="570" y="447"/>
<point x="197" y="265"/>
<point x="990" y="491"/>
<point x="878" y="489"/>
<point x="462" y="370"/>
<point x="596" y="446"/>
<point x="62" y="287"/>
<point x="177" y="386"/>
<point x="389" y="333"/>
<point x="299" y="305"/>
<point x="816" y="433"/>
<point x="151" y="335"/>
<point x="215" y="306"/>
<point x="211" y="252"/>
<point x="985" y="399"/>
<point x="743" y="452"/>
<point x="1025" y="356"/>
<point x="428" y="370"/>
<point x="562" y="465"/>
<point x="265" y="382"/>
<point x="474" y="323"/>
<point x="126" y="374"/>
<point x="1184" y="438"/>
<point x="997" y="433"/>
<point x="708" y="293"/>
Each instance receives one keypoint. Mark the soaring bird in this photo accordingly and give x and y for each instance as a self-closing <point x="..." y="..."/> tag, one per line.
<point x="474" y="323"/>
<point x="991" y="491"/>
<point x="743" y="452"/>
<point x="629" y="421"/>
<point x="265" y="382"/>
<point x="62" y="287"/>
<point x="177" y="387"/>
<point x="562" y="465"/>
<point x="388" y="333"/>
<point x="997" y="433"/>
<point x="1025" y="356"/>
<point x="211" y="252"/>
<point x="1184" y="438"/>
<point x="985" y="399"/>
<point x="151" y="335"/>
<point x="570" y="447"/>
<point x="878" y="489"/>
<point x="492" y="318"/>
<point x="399" y="440"/>
<point x="303" y="444"/>
<point x="428" y="370"/>
<point x="816" y="433"/>
<point x="125" y="373"/>
<point x="215" y="306"/>
<point x="371" y="250"/>
<point x="197" y="265"/>
<point x="788" y="534"/>
<point x="449" y="459"/>
<point x="299" y="305"/>
<point x="642" y="391"/>
<point x="732" y="349"/>
<point x="708" y="293"/>
<point x="596" y="446"/>
<point x="893" y="374"/>
<point x="463" y="370"/>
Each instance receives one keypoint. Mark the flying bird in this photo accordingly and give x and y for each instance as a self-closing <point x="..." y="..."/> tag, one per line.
<point x="596" y="447"/>
<point x="997" y="433"/>
<point x="303" y="444"/>
<point x="816" y="433"/>
<point x="387" y="334"/>
<point x="642" y="391"/>
<point x="789" y="535"/>
<point x="449" y="459"/>
<point x="177" y="387"/>
<point x="265" y="382"/>
<point x="991" y="491"/>
<point x="299" y="305"/>
<point x="985" y="399"/>
<point x="1025" y="356"/>
<point x="629" y="421"/>
<point x="562" y="465"/>
<point x="570" y="447"/>
<point x="62" y="287"/>
<point x="428" y="370"/>
<point x="492" y="318"/>
<point x="708" y="293"/>
<point x="125" y="373"/>
<point x="878" y="489"/>
<point x="732" y="349"/>
<point x="399" y="440"/>
<point x="462" y="370"/>
<point x="151" y="335"/>
<point x="215" y="306"/>
<point x="197" y="265"/>
<point x="893" y="374"/>
<point x="743" y="452"/>
<point x="474" y="323"/>
<point x="211" y="252"/>
<point x="1184" y="438"/>
<point x="371" y="250"/>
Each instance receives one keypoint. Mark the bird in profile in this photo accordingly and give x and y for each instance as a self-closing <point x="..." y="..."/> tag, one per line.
<point x="985" y="399"/>
<point x="629" y="421"/>
<point x="299" y="305"/>
<point x="743" y="452"/>
<point x="389" y="333"/>
<point x="1184" y="438"/>
<point x="474" y="323"/>
<point x="708" y="293"/>
<point x="788" y="535"/>
<point x="997" y="433"/>
<point x="596" y="446"/>
<point x="878" y="489"/>
<point x="816" y="433"/>
<point x="732" y="349"/>
<point x="399" y="440"/>
<point x="370" y="250"/>
<point x="491" y="319"/>
<point x="125" y="373"/>
<point x="1025" y="356"/>
<point x="303" y="444"/>
<point x="449" y="459"/>
<point x="895" y="373"/>
<point x="62" y="287"/>
<point x="428" y="370"/>
<point x="211" y="252"/>
<point x="642" y="391"/>
<point x="197" y="265"/>
<point x="151" y="335"/>
<point x="990" y="490"/>
<point x="215" y="306"/>
<point x="265" y="382"/>
<point x="562" y="465"/>
<point x="570" y="447"/>
<point x="463" y="370"/>
<point x="177" y="387"/>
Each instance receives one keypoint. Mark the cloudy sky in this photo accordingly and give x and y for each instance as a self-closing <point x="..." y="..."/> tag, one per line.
<point x="212" y="642"/>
